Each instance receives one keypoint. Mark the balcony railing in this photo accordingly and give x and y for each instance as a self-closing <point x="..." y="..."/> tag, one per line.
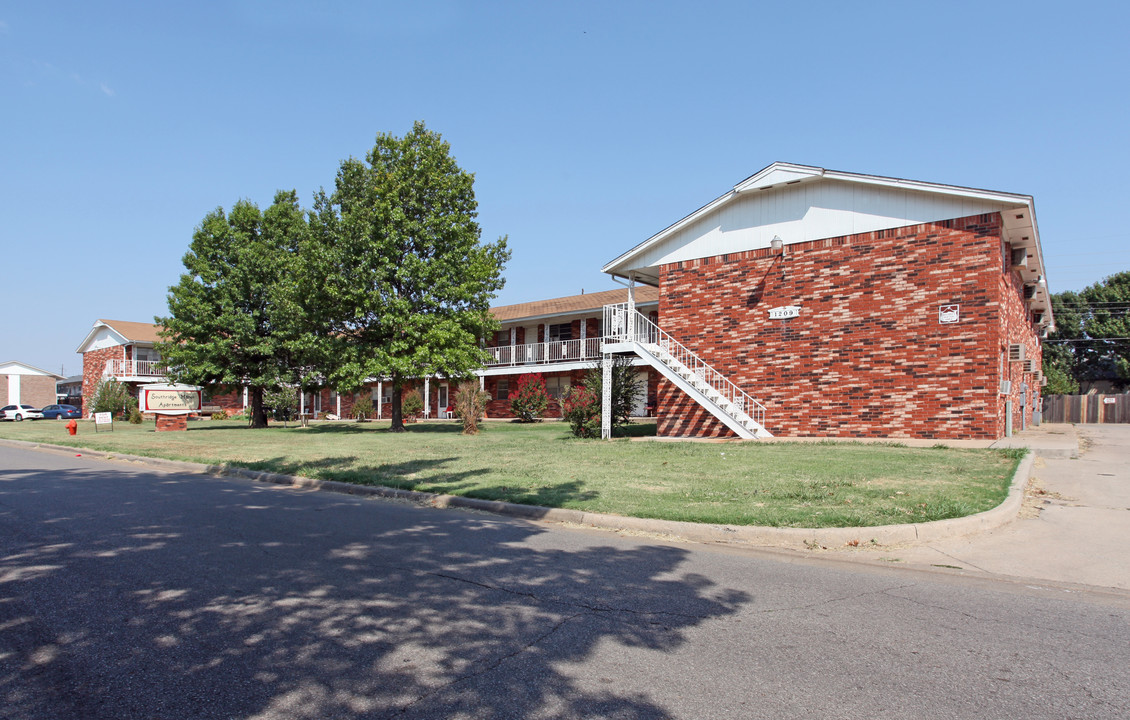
<point x="556" y="351"/>
<point x="135" y="368"/>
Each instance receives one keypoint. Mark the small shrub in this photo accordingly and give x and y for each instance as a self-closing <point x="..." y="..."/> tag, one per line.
<point x="530" y="399"/>
<point x="109" y="396"/>
<point x="581" y="408"/>
<point x="411" y="403"/>
<point x="470" y="404"/>
<point x="134" y="416"/>
<point x="219" y="416"/>
<point x="626" y="389"/>
<point x="363" y="407"/>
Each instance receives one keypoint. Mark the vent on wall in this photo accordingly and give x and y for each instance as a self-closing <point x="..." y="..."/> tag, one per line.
<point x="1029" y="365"/>
<point x="1006" y="387"/>
<point x="1020" y="258"/>
<point x="1016" y="352"/>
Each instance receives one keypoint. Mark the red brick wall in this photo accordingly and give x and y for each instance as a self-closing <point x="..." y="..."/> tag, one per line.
<point x="501" y="408"/>
<point x="867" y="357"/>
<point x="93" y="363"/>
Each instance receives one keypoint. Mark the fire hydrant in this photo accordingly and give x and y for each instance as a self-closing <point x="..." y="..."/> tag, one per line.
<point x="72" y="427"/>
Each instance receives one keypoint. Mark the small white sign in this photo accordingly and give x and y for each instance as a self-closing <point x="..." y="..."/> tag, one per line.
<point x="1109" y="401"/>
<point x="103" y="418"/>
<point x="949" y="314"/>
<point x="784" y="312"/>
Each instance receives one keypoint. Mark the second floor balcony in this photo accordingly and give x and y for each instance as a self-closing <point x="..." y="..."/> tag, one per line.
<point x="545" y="353"/>
<point x="119" y="368"/>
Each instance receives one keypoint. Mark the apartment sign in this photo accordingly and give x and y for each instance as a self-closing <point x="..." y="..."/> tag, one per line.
<point x="169" y="399"/>
<point x="784" y="312"/>
<point x="949" y="314"/>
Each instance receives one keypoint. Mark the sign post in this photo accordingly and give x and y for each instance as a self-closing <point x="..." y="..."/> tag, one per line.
<point x="171" y="403"/>
<point x="104" y="418"/>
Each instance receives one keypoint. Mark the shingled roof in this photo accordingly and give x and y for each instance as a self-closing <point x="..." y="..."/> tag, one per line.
<point x="589" y="302"/>
<point x="134" y="331"/>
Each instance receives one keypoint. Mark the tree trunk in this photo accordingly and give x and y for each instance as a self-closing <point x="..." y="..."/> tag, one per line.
<point x="258" y="414"/>
<point x="397" y="415"/>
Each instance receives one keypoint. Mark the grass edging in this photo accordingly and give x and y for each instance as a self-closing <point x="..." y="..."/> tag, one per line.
<point x="810" y="538"/>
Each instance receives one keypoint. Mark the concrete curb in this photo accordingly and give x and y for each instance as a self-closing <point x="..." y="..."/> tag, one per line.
<point x="697" y="532"/>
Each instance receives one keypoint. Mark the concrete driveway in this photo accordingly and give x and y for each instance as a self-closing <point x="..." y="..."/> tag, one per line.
<point x="1075" y="525"/>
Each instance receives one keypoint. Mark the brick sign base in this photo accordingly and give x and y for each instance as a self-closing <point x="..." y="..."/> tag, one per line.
<point x="169" y="423"/>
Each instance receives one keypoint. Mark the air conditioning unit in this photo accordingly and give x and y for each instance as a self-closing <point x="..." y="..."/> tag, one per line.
<point x="1020" y="258"/>
<point x="1029" y="292"/>
<point x="1029" y="365"/>
<point x="1016" y="352"/>
<point x="1006" y="387"/>
<point x="1043" y="380"/>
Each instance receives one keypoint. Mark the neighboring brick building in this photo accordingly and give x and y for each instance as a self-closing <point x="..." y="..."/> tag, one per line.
<point x="22" y="383"/>
<point x="902" y="309"/>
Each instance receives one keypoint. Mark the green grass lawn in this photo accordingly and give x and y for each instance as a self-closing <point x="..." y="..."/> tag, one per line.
<point x="769" y="484"/>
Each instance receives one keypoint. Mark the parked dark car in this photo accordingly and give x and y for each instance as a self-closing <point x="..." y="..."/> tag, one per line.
<point x="19" y="412"/>
<point x="62" y="412"/>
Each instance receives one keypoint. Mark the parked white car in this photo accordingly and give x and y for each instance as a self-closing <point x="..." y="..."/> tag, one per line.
<point x="20" y="412"/>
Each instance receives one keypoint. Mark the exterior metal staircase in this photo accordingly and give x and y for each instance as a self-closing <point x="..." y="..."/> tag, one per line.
<point x="626" y="330"/>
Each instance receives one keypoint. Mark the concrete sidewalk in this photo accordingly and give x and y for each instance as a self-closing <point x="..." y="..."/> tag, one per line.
<point x="1074" y="526"/>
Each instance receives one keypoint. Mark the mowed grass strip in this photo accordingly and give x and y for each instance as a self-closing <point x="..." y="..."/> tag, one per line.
<point x="769" y="484"/>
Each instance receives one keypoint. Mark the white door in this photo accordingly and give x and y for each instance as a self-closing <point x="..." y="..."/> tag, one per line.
<point x="441" y="402"/>
<point x="640" y="408"/>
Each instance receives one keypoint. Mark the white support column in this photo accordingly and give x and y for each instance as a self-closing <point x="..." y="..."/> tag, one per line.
<point x="301" y="402"/>
<point x="631" y="307"/>
<point x="606" y="398"/>
<point x="427" y="398"/>
<point x="338" y="411"/>
<point x="482" y="382"/>
<point x="380" y="397"/>
<point x="245" y="397"/>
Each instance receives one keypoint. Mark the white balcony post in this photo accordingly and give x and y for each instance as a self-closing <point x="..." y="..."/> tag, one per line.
<point x="427" y="398"/>
<point x="380" y="397"/>
<point x="606" y="398"/>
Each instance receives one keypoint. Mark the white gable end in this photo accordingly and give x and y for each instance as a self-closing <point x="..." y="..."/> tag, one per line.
<point x="799" y="203"/>
<point x="101" y="336"/>
<point x="808" y="211"/>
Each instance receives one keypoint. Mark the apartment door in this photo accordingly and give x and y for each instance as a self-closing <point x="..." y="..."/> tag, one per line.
<point x="442" y="402"/>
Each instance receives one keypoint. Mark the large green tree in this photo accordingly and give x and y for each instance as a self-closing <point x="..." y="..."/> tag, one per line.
<point x="1092" y="336"/>
<point x="397" y="283"/>
<point x="232" y="317"/>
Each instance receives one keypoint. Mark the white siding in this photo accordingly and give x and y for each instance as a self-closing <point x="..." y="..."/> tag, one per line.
<point x="807" y="211"/>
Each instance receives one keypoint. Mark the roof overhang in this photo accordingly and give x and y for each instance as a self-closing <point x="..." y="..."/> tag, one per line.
<point x="1018" y="216"/>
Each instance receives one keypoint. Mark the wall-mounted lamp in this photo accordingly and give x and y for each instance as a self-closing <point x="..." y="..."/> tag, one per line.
<point x="778" y="246"/>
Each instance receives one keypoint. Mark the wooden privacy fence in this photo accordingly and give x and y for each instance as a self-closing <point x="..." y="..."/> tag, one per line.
<point x="1087" y="408"/>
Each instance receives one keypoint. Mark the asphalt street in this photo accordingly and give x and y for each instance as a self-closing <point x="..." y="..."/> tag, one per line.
<point x="127" y="592"/>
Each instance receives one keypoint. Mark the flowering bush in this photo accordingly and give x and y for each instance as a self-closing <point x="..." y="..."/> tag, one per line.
<point x="529" y="401"/>
<point x="581" y="407"/>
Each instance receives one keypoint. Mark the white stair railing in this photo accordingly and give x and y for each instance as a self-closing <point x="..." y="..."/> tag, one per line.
<point x="628" y="326"/>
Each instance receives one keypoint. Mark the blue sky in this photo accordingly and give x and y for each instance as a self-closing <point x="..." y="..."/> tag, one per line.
<point x="589" y="126"/>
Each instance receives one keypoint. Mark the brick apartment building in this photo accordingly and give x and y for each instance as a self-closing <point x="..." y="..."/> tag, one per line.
<point x="853" y="306"/>
<point x="802" y="302"/>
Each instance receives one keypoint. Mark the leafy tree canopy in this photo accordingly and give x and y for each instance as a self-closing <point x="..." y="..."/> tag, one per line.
<point x="232" y="320"/>
<point x="396" y="281"/>
<point x="1091" y="341"/>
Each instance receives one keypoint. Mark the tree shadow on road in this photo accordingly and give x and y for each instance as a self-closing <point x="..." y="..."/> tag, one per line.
<point x="154" y="595"/>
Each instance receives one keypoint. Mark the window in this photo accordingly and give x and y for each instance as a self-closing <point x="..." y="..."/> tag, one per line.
<point x="502" y="337"/>
<point x="146" y="354"/>
<point x="556" y="387"/>
<point x="562" y="331"/>
<point x="502" y="390"/>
